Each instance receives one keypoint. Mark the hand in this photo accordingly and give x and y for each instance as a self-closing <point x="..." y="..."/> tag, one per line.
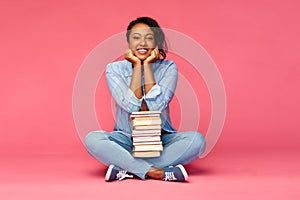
<point x="128" y="55"/>
<point x="153" y="56"/>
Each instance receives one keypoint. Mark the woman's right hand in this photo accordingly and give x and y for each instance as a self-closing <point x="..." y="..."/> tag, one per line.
<point x="132" y="58"/>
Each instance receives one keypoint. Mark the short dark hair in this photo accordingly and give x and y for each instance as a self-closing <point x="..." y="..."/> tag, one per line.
<point x="159" y="35"/>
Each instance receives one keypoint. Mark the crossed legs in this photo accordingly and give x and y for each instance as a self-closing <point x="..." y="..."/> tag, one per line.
<point x="115" y="148"/>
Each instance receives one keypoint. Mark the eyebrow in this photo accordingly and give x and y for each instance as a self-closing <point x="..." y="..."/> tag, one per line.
<point x="141" y="34"/>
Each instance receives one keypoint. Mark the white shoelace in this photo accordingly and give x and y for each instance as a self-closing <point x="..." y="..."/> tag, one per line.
<point x="169" y="176"/>
<point x="123" y="174"/>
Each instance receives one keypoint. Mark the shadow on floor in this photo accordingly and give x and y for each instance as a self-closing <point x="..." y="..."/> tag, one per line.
<point x="200" y="170"/>
<point x="97" y="172"/>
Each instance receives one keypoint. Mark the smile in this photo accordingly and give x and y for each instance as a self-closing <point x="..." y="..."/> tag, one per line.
<point x="142" y="50"/>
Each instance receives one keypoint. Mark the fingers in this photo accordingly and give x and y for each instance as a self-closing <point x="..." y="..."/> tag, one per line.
<point x="153" y="56"/>
<point x="128" y="53"/>
<point x="156" y="53"/>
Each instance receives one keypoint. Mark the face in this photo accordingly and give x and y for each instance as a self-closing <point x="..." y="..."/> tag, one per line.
<point x="141" y="40"/>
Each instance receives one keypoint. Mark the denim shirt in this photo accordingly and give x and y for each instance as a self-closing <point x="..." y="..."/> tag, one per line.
<point x="118" y="77"/>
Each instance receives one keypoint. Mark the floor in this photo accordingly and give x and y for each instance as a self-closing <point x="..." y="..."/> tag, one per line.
<point x="223" y="174"/>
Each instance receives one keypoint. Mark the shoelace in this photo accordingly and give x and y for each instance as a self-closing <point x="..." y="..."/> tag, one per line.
<point x="123" y="174"/>
<point x="169" y="176"/>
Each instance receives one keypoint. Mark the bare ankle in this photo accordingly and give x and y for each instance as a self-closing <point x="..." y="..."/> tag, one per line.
<point x="156" y="173"/>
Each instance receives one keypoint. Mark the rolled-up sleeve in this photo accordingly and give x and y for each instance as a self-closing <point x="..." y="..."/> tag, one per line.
<point x="120" y="90"/>
<point x="163" y="91"/>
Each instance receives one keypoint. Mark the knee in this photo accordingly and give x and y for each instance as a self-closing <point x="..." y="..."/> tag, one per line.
<point x="92" y="138"/>
<point x="89" y="139"/>
<point x="198" y="142"/>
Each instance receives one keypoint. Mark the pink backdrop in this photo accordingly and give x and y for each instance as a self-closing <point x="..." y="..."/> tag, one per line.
<point x="255" y="45"/>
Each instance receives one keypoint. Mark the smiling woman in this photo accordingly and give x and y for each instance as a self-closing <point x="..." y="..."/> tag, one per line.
<point x="152" y="28"/>
<point x="144" y="81"/>
<point x="141" y="41"/>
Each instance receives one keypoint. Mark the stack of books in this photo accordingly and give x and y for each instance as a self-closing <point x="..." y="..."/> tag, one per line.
<point x="146" y="131"/>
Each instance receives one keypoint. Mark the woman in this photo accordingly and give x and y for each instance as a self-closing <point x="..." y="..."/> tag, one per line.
<point x="144" y="81"/>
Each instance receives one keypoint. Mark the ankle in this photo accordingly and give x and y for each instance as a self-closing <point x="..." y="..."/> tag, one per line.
<point x="156" y="173"/>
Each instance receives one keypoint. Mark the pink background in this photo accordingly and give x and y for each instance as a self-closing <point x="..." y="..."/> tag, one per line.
<point x="255" y="45"/>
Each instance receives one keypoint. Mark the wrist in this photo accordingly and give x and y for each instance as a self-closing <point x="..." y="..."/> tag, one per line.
<point x="147" y="66"/>
<point x="137" y="64"/>
<point x="147" y="63"/>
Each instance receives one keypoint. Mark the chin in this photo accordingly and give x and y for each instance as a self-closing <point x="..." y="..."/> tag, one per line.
<point x="142" y="57"/>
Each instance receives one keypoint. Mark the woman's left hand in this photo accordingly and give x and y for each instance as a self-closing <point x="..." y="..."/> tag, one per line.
<point x="153" y="56"/>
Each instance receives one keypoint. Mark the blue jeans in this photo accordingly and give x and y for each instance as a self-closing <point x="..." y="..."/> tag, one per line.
<point x="116" y="147"/>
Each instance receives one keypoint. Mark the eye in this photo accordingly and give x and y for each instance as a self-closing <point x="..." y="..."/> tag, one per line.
<point x="136" y="37"/>
<point x="149" y="38"/>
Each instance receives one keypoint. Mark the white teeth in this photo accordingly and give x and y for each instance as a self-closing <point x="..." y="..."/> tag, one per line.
<point x="142" y="50"/>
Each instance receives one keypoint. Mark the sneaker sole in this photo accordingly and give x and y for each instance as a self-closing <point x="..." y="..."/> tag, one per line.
<point x="183" y="172"/>
<point x="108" y="173"/>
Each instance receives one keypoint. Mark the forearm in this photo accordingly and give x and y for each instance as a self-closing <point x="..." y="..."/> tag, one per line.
<point x="136" y="81"/>
<point x="148" y="78"/>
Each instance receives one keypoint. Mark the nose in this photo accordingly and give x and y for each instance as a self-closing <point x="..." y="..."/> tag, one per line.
<point x="143" y="41"/>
